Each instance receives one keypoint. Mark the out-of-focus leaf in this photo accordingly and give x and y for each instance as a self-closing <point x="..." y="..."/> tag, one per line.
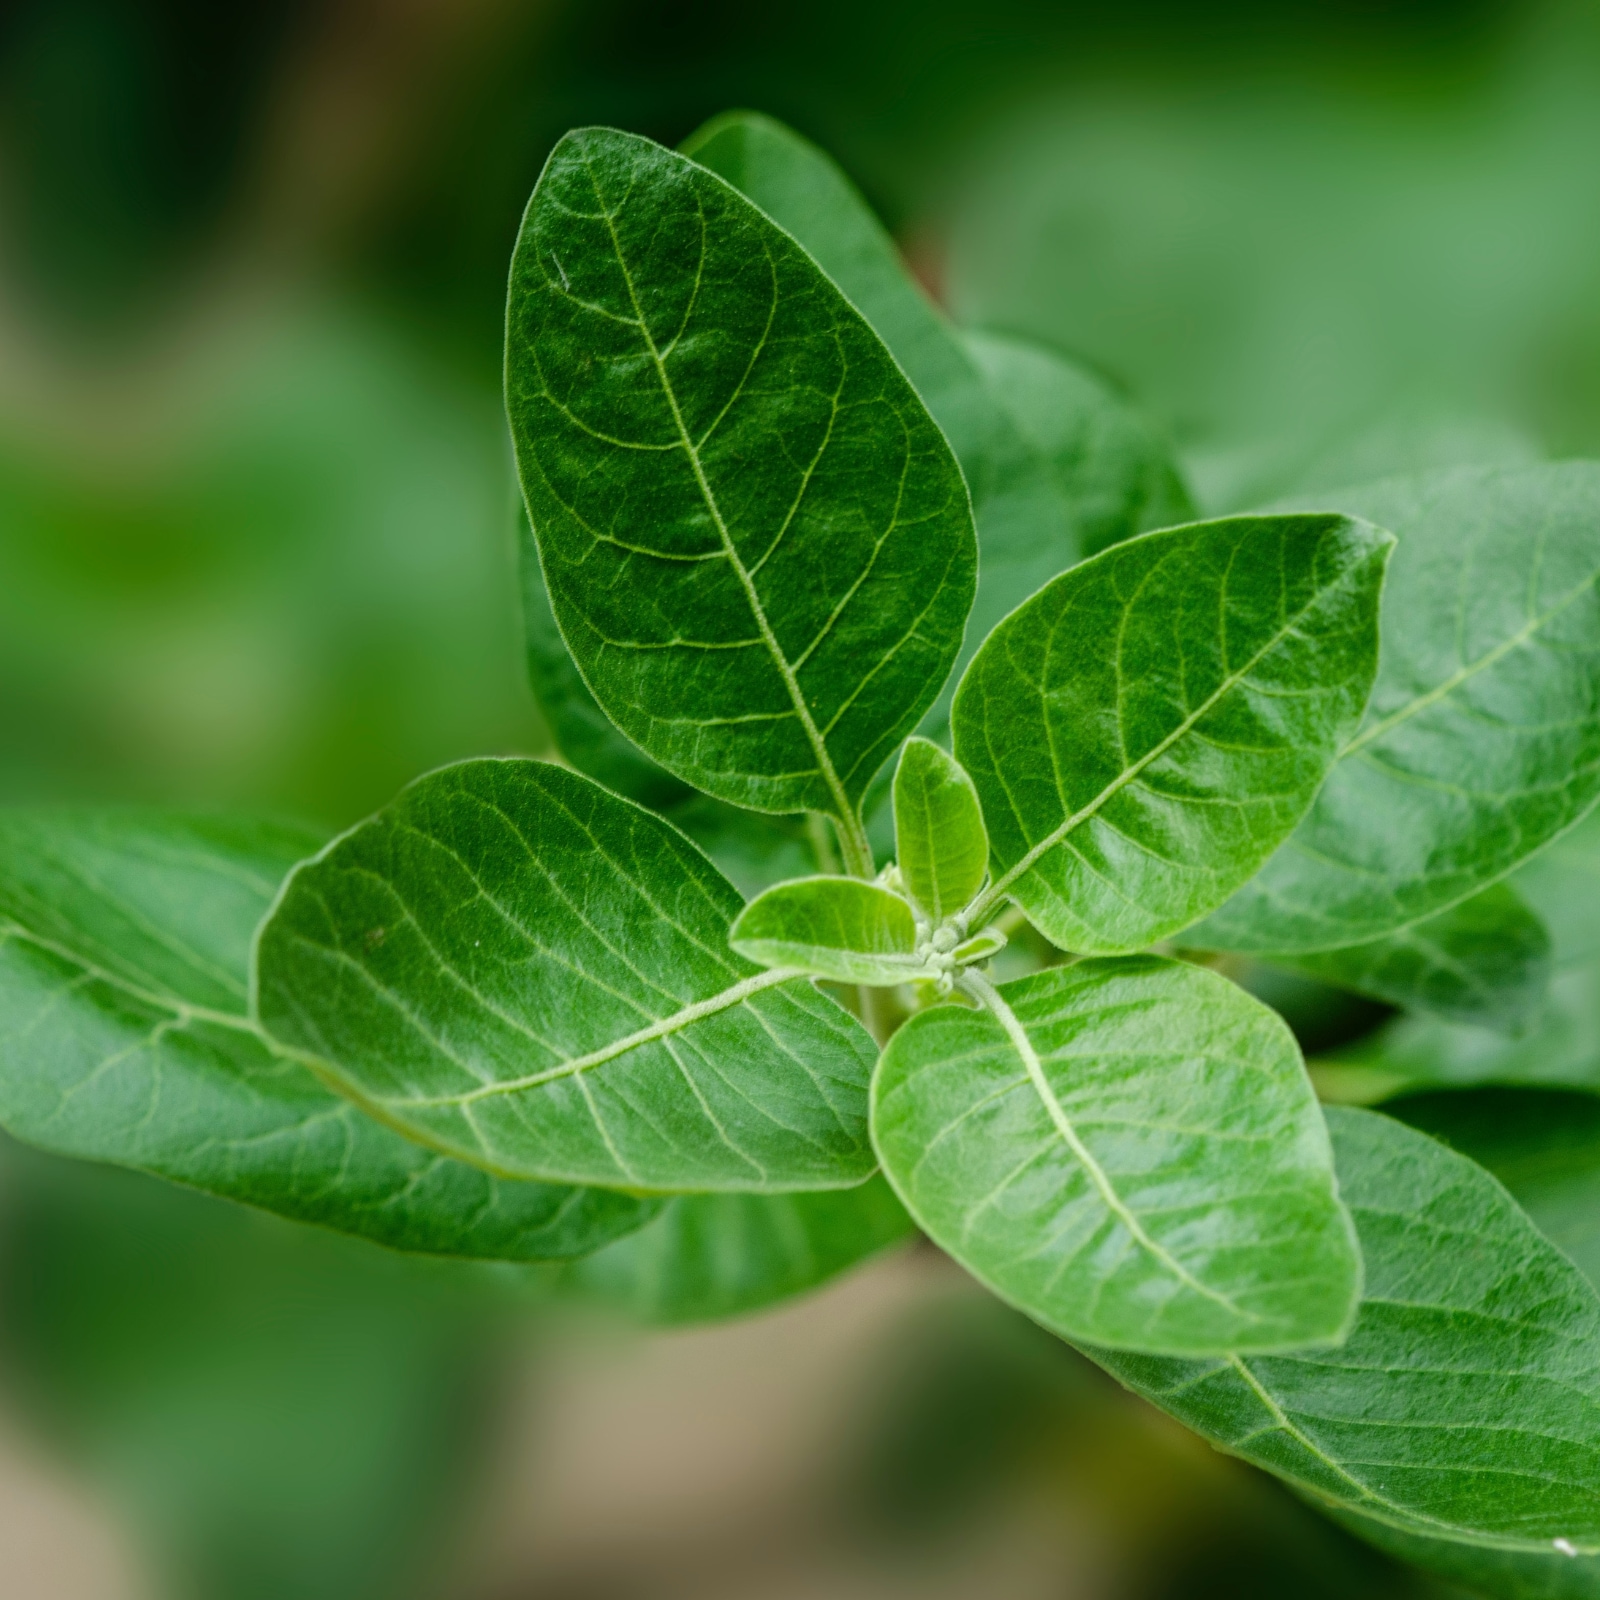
<point x="1482" y="739"/>
<point x="1562" y="883"/>
<point x="524" y="970"/>
<point x="1466" y="1401"/>
<point x="711" y="1256"/>
<point x="838" y="928"/>
<point x="1130" y="1152"/>
<point x="1484" y="961"/>
<point x="1146" y="730"/>
<point x="124" y="962"/>
<point x="755" y="538"/>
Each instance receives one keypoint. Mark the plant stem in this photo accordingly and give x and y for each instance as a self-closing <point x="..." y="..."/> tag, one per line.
<point x="821" y="841"/>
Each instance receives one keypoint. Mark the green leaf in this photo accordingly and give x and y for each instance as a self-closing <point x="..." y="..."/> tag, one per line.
<point x="1147" y="729"/>
<point x="711" y="1256"/>
<point x="941" y="848"/>
<point x="756" y="541"/>
<point x="1465" y="1403"/>
<point x="1111" y="469"/>
<point x="1057" y="465"/>
<point x="1485" y="960"/>
<point x="1130" y="1152"/>
<point x="124" y="963"/>
<point x="838" y="928"/>
<point x="1482" y="740"/>
<point x="1562" y="883"/>
<point x="523" y="970"/>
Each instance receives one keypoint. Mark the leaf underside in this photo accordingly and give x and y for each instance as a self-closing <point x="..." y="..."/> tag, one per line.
<point x="1158" y="1177"/>
<point x="755" y="539"/>
<point x="124" y="961"/>
<point x="520" y="968"/>
<point x="1147" y="729"/>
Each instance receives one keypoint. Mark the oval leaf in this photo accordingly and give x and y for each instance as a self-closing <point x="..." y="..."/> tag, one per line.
<point x="1485" y="961"/>
<point x="1482" y="741"/>
<point x="941" y="848"/>
<point x="124" y="963"/>
<point x="711" y="1256"/>
<point x="527" y="972"/>
<point x="1465" y="1403"/>
<point x="1147" y="729"/>
<point x="839" y="928"/>
<point x="1139" y="1161"/>
<point x="755" y="539"/>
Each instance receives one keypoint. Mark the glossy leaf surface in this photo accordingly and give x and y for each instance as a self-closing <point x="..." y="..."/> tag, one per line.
<point x="940" y="844"/>
<point x="1057" y="465"/>
<point x="1148" y="728"/>
<point x="1484" y="961"/>
<point x="124" y="961"/>
<point x="526" y="971"/>
<point x="839" y="928"/>
<point x="1466" y="1401"/>
<point x="755" y="539"/>
<point x="1140" y="1161"/>
<point x="712" y="1256"/>
<point x="1482" y="740"/>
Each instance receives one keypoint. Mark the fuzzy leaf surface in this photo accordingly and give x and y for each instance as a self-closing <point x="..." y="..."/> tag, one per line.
<point x="1482" y="739"/>
<point x="755" y="539"/>
<point x="1465" y="1403"/>
<point x="124" y="964"/>
<point x="1484" y="961"/>
<point x="1058" y="466"/>
<point x="712" y="1256"/>
<point x="838" y="928"/>
<point x="941" y="847"/>
<point x="525" y="971"/>
<point x="1147" y="729"/>
<point x="1149" y="1169"/>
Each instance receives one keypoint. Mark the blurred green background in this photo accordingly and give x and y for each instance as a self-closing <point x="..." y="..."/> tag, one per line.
<point x="256" y="550"/>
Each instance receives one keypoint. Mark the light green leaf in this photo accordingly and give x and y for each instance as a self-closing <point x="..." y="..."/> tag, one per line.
<point x="1130" y="1152"/>
<point x="1146" y="730"/>
<point x="1562" y="883"/>
<point x="1109" y="466"/>
<point x="1057" y="465"/>
<point x="527" y="972"/>
<point x="756" y="540"/>
<point x="711" y="1256"/>
<point x="941" y="848"/>
<point x="839" y="928"/>
<point x="1485" y="961"/>
<point x="1482" y="740"/>
<point x="1465" y="1403"/>
<point x="124" y="962"/>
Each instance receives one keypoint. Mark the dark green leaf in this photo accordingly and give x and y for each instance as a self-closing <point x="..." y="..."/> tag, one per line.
<point x="124" y="961"/>
<point x="1482" y="740"/>
<point x="1465" y="1403"/>
<point x="941" y="848"/>
<point x="709" y="1256"/>
<point x="1485" y="960"/>
<point x="839" y="928"/>
<point x="757" y="542"/>
<point x="1135" y="1158"/>
<point x="1147" y="729"/>
<point x="525" y="971"/>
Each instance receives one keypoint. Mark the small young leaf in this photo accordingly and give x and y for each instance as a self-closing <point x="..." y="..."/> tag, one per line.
<point x="1130" y="1152"/>
<point x="941" y="848"/>
<point x="1146" y="730"/>
<point x="1482" y="741"/>
<point x="756" y="540"/>
<point x="124" y="963"/>
<point x="980" y="947"/>
<point x="1465" y="1403"/>
<point x="525" y="971"/>
<point x="711" y="1255"/>
<point x="839" y="928"/>
<point x="1057" y="465"/>
<point x="1485" y="961"/>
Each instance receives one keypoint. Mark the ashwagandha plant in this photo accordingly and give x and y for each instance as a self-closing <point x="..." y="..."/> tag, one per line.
<point x="790" y="534"/>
